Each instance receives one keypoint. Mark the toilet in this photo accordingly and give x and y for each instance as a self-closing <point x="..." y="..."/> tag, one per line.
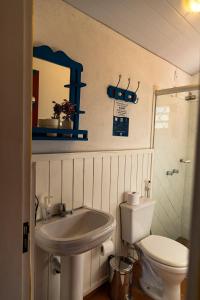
<point x="164" y="261"/>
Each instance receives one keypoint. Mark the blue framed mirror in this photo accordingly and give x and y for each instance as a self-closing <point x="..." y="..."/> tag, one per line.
<point x="56" y="96"/>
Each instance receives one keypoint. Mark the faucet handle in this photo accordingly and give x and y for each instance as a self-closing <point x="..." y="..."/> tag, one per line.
<point x="62" y="210"/>
<point x="59" y="209"/>
<point x="62" y="207"/>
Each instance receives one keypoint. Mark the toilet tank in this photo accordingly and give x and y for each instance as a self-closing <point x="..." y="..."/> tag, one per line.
<point x="136" y="220"/>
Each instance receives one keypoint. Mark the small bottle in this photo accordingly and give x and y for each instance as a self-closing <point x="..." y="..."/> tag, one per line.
<point x="46" y="207"/>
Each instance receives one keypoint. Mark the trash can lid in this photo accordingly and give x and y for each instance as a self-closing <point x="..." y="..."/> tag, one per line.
<point x="121" y="264"/>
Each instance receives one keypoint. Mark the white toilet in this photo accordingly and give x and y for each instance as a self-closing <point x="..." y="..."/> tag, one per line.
<point x="164" y="261"/>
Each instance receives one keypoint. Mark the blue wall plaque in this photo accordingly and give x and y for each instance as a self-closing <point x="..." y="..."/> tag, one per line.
<point x="120" y="126"/>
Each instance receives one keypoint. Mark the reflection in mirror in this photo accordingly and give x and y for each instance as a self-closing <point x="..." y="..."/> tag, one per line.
<point x="48" y="86"/>
<point x="174" y="160"/>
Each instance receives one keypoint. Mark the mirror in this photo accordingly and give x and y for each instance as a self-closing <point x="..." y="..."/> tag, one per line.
<point x="49" y="79"/>
<point x="56" y="96"/>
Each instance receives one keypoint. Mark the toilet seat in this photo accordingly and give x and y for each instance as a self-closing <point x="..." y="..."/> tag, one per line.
<point x="165" y="251"/>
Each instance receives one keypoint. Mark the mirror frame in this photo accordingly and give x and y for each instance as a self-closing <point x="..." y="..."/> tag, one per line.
<point x="60" y="58"/>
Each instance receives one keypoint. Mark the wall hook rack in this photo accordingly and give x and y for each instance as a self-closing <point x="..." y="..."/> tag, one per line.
<point x="129" y="81"/>
<point x="137" y="87"/>
<point x="123" y="94"/>
<point x="120" y="76"/>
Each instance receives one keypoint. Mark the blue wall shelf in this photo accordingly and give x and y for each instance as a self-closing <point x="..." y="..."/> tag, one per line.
<point x="39" y="133"/>
<point x="59" y="57"/>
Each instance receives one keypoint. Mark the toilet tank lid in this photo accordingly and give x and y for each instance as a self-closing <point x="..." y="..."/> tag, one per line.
<point x="144" y="202"/>
<point x="165" y="250"/>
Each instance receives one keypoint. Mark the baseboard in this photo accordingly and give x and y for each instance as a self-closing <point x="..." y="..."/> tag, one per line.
<point x="96" y="285"/>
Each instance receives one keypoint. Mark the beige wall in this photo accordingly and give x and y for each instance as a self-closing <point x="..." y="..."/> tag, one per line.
<point x="104" y="55"/>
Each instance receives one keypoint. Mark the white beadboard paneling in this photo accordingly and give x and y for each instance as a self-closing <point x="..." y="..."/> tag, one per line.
<point x="139" y="173"/>
<point x="55" y="182"/>
<point x="113" y="184"/>
<point x="98" y="180"/>
<point x="97" y="186"/>
<point x="134" y="170"/>
<point x="128" y="166"/>
<point x="106" y="162"/>
<point x="42" y="178"/>
<point x="78" y="183"/>
<point x="121" y="178"/>
<point x="106" y="184"/>
<point x="88" y="181"/>
<point x="144" y="171"/>
<point x="120" y="198"/>
<point x="67" y="182"/>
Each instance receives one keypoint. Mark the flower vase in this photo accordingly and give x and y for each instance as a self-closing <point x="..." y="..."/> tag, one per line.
<point x="67" y="124"/>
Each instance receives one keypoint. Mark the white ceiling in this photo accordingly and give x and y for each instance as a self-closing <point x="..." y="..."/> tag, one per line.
<point x="161" y="26"/>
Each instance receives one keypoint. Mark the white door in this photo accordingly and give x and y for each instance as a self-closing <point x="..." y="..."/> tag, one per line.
<point x="15" y="149"/>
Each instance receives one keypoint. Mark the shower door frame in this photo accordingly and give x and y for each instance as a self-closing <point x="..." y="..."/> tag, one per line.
<point x="174" y="90"/>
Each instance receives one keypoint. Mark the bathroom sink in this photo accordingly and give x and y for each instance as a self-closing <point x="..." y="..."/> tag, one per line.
<point x="74" y="234"/>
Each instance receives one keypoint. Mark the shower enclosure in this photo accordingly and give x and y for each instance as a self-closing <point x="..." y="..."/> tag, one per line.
<point x="175" y="128"/>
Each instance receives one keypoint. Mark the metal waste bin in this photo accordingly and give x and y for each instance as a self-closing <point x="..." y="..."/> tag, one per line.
<point x="120" y="277"/>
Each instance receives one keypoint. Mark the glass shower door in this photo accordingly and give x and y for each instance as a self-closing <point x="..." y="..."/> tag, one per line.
<point x="174" y="144"/>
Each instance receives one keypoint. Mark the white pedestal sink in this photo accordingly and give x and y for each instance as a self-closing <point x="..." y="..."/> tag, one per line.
<point x="70" y="237"/>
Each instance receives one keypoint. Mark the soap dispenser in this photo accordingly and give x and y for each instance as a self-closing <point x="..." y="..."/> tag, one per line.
<point x="46" y="207"/>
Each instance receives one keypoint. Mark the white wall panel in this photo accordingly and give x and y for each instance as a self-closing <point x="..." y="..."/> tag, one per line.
<point x="134" y="171"/>
<point x="88" y="181"/>
<point x="95" y="179"/>
<point x="106" y="184"/>
<point x="42" y="178"/>
<point x="97" y="187"/>
<point x="55" y="180"/>
<point x="67" y="182"/>
<point x="78" y="183"/>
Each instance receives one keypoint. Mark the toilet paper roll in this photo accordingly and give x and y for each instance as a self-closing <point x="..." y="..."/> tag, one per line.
<point x="107" y="248"/>
<point x="133" y="198"/>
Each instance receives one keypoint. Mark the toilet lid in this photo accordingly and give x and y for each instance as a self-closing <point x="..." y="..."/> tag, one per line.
<point x="165" y="250"/>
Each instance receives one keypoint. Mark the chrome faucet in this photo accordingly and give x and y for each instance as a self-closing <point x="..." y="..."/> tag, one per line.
<point x="60" y="210"/>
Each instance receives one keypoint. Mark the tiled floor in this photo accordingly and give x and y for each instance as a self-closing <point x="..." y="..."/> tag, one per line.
<point x="138" y="294"/>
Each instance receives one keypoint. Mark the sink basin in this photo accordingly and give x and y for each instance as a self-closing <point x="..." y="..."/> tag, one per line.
<point x="70" y="237"/>
<point x="74" y="234"/>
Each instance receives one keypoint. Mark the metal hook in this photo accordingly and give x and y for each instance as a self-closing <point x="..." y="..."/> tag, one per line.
<point x="137" y="87"/>
<point x="120" y="76"/>
<point x="129" y="81"/>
